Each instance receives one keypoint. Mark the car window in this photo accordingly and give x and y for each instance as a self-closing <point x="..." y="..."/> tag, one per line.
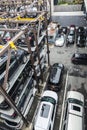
<point x="66" y="110"/>
<point x="53" y="112"/>
<point x="45" y="110"/>
<point x="71" y="32"/>
<point x="76" y="108"/>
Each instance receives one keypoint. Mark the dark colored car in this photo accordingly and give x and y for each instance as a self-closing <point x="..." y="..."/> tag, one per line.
<point x="80" y="31"/>
<point x="81" y="41"/>
<point x="79" y="58"/>
<point x="55" y="76"/>
<point x="71" y="36"/>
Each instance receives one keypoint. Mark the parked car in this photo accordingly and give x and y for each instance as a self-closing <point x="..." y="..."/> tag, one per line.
<point x="44" y="119"/>
<point x="74" y="111"/>
<point x="17" y="58"/>
<point x="55" y="76"/>
<point x="71" y="36"/>
<point x="79" y="58"/>
<point x="80" y="31"/>
<point x="52" y="33"/>
<point x="60" y="40"/>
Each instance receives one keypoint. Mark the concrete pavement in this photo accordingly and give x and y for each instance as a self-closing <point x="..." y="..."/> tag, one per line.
<point x="76" y="13"/>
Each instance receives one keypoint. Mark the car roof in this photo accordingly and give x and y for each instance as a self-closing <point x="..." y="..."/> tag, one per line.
<point x="74" y="123"/>
<point x="45" y="111"/>
<point x="43" y="116"/>
<point x="55" y="75"/>
<point x="50" y="93"/>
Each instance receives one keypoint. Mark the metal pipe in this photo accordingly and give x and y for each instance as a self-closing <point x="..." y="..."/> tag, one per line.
<point x="48" y="51"/>
<point x="10" y="29"/>
<point x="32" y="60"/>
<point x="7" y="69"/>
<point x="38" y="54"/>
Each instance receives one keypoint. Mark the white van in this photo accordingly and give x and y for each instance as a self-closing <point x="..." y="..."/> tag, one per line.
<point x="74" y="111"/>
<point x="45" y="116"/>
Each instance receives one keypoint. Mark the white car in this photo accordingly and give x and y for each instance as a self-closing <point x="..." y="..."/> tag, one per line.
<point x="74" y="111"/>
<point x="44" y="119"/>
<point x="60" y="41"/>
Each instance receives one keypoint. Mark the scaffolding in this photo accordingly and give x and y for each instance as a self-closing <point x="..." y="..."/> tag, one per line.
<point x="21" y="25"/>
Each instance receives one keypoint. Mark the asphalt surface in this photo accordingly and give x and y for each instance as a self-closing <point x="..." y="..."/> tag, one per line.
<point x="69" y="20"/>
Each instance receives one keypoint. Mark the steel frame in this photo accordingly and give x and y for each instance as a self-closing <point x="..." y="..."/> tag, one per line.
<point x="8" y="46"/>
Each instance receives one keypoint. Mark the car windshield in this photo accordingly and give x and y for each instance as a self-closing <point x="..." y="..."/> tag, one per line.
<point x="72" y="100"/>
<point x="48" y="99"/>
<point x="71" y="32"/>
<point x="53" y="72"/>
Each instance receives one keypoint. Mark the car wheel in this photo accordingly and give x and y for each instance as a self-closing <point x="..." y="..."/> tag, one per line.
<point x="24" y="59"/>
